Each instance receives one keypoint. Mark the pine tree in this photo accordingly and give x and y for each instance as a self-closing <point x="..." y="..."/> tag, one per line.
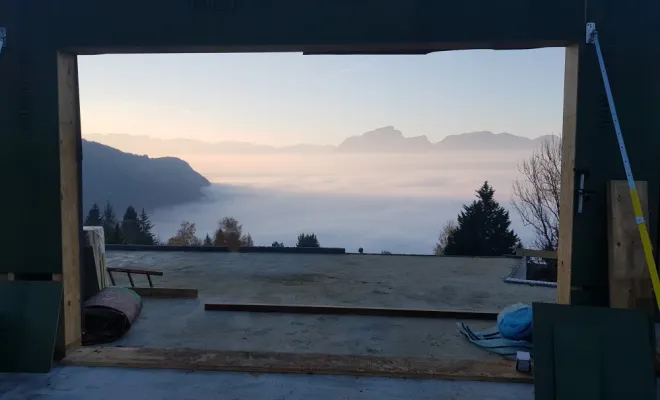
<point x="308" y="240"/>
<point x="117" y="236"/>
<point x="94" y="217"/>
<point x="145" y="225"/>
<point x="483" y="228"/>
<point x="130" y="227"/>
<point x="109" y="223"/>
<point x="208" y="241"/>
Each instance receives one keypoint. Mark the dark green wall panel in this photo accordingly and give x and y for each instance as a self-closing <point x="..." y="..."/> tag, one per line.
<point x="30" y="200"/>
<point x="39" y="170"/>
<point x="29" y="317"/>
<point x="627" y="31"/>
<point x="579" y="353"/>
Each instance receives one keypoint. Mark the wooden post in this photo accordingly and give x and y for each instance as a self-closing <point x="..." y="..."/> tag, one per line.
<point x="567" y="195"/>
<point x="69" y="115"/>
<point x="629" y="279"/>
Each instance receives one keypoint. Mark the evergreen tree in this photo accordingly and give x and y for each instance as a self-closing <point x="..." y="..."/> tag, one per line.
<point x="130" y="227"/>
<point x="208" y="241"/>
<point x="308" y="240"/>
<point x="117" y="236"/>
<point x="109" y="223"/>
<point x="277" y="244"/>
<point x="483" y="228"/>
<point x="94" y="217"/>
<point x="145" y="225"/>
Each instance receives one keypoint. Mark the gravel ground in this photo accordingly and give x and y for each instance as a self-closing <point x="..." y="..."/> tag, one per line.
<point x="464" y="283"/>
<point x="359" y="280"/>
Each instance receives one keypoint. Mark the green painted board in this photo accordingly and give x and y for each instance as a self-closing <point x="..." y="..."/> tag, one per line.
<point x="593" y="353"/>
<point x="633" y="67"/>
<point x="29" y="316"/>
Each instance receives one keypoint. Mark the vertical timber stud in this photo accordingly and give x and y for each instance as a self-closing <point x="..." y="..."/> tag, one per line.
<point x="69" y="134"/>
<point x="567" y="195"/>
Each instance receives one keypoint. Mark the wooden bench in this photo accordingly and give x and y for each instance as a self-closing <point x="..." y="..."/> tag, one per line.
<point x="130" y="271"/>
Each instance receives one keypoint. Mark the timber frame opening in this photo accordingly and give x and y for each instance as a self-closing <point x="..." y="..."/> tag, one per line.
<point x="70" y="166"/>
<point x="41" y="112"/>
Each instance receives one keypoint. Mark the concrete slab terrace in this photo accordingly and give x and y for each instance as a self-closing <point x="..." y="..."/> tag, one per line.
<point x="362" y="280"/>
<point x="175" y="323"/>
<point x="465" y="283"/>
<point x="80" y="383"/>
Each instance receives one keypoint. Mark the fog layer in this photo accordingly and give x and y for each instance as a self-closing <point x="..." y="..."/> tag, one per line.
<point x="379" y="202"/>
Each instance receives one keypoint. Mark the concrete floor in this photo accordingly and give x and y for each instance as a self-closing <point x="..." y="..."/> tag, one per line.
<point x="80" y="383"/>
<point x="386" y="281"/>
<point x="185" y="324"/>
<point x="365" y="280"/>
<point x="465" y="283"/>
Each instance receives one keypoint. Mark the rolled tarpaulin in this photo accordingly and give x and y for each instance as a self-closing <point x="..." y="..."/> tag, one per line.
<point x="515" y="322"/>
<point x="109" y="314"/>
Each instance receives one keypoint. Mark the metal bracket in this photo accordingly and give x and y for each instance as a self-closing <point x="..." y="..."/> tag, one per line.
<point x="591" y="32"/>
<point x="523" y="362"/>
<point x="583" y="194"/>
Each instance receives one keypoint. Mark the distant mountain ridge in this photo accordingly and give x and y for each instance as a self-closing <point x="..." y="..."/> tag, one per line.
<point x="382" y="140"/>
<point x="123" y="179"/>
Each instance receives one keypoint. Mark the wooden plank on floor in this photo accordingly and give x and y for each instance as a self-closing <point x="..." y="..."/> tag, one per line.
<point x="166" y="293"/>
<point x="135" y="271"/>
<point x="339" y="310"/>
<point x="273" y="362"/>
<point x="629" y="278"/>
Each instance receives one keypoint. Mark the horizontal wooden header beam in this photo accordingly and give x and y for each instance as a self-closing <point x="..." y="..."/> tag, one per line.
<point x="318" y="26"/>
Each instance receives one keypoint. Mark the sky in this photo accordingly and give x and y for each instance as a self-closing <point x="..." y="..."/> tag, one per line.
<point x="287" y="98"/>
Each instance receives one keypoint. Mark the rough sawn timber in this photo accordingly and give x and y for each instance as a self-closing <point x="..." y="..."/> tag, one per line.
<point x="273" y="362"/>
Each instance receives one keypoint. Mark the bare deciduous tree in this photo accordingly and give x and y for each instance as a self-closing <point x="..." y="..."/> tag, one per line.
<point x="449" y="227"/>
<point x="185" y="236"/>
<point x="536" y="193"/>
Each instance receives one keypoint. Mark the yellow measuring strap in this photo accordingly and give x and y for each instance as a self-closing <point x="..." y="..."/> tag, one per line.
<point x="646" y="244"/>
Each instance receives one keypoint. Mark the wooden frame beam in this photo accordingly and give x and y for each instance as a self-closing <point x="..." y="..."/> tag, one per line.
<point x="70" y="165"/>
<point x="567" y="195"/>
<point x="298" y="363"/>
<point x="343" y="310"/>
<point x="166" y="293"/>
<point x="69" y="111"/>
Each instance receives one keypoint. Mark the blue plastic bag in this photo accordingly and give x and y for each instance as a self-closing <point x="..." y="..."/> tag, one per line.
<point x="515" y="322"/>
